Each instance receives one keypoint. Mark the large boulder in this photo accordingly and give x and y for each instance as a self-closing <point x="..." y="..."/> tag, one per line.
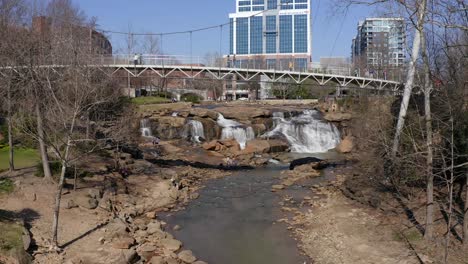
<point x="85" y="201"/>
<point x="346" y="145"/>
<point x="259" y="129"/>
<point x="171" y="244"/>
<point x="278" y="145"/>
<point x="210" y="128"/>
<point x="203" y="113"/>
<point x="256" y="146"/>
<point x="317" y="163"/>
<point x="243" y="112"/>
<point x="187" y="256"/>
<point x="264" y="146"/>
<point x="337" y="116"/>
<point x="168" y="127"/>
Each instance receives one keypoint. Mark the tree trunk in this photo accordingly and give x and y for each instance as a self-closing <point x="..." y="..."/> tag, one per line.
<point x="58" y="195"/>
<point x="42" y="146"/>
<point x="465" y="217"/>
<point x="428" y="234"/>
<point x="450" y="191"/>
<point x="410" y="77"/>
<point x="10" y="132"/>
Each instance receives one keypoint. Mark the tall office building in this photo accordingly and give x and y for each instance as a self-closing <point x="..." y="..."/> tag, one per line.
<point x="380" y="44"/>
<point x="271" y="34"/>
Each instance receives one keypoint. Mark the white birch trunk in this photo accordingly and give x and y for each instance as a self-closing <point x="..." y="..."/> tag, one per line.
<point x="410" y="78"/>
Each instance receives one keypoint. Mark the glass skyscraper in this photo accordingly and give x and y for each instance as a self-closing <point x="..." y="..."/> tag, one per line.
<point x="272" y="33"/>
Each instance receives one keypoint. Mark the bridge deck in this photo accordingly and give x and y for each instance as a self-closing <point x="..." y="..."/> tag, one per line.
<point x="222" y="73"/>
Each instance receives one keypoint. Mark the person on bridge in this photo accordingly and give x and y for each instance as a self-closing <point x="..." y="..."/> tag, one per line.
<point x="136" y="59"/>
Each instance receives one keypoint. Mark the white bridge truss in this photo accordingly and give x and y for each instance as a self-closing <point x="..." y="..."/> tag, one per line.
<point x="221" y="73"/>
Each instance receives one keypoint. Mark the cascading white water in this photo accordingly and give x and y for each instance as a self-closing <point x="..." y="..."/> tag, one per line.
<point x="145" y="128"/>
<point x="306" y="133"/>
<point x="234" y="129"/>
<point x="174" y="114"/>
<point x="194" y="130"/>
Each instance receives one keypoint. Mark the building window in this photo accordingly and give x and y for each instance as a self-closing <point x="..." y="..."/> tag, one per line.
<point x="258" y="8"/>
<point x="272" y="4"/>
<point x="271" y="34"/>
<point x="287" y="4"/>
<point x="258" y="2"/>
<point x="302" y="6"/>
<point x="256" y="38"/>
<point x="285" y="28"/>
<point x="244" y="3"/>
<point x="244" y="9"/>
<point x="300" y="34"/>
<point x="242" y="34"/>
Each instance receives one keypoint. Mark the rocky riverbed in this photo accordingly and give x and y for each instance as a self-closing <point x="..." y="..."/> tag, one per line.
<point x="198" y="195"/>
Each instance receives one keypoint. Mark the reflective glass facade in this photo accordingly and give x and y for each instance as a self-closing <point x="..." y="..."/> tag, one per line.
<point x="300" y="33"/>
<point x="272" y="4"/>
<point x="270" y="34"/>
<point x="286" y="34"/>
<point x="242" y="35"/>
<point x="281" y="31"/>
<point x="256" y="35"/>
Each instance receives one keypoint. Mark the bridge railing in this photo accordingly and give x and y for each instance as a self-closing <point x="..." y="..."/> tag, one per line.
<point x="148" y="59"/>
<point x="246" y="63"/>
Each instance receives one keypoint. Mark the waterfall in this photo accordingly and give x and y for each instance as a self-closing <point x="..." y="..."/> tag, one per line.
<point x="306" y="133"/>
<point x="194" y="130"/>
<point x="174" y="114"/>
<point x="235" y="130"/>
<point x="145" y="128"/>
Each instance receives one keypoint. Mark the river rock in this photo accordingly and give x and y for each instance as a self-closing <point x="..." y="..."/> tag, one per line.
<point x="157" y="260"/>
<point x="256" y="146"/>
<point x="277" y="187"/>
<point x="116" y="228"/>
<point x="210" y="145"/>
<point x="200" y="262"/>
<point x="187" y="256"/>
<point x="168" y="127"/>
<point x="277" y="145"/>
<point x="171" y="244"/>
<point x="243" y="113"/>
<point x="202" y="112"/>
<point x="87" y="202"/>
<point x="69" y="204"/>
<point x="95" y="193"/>
<point x="302" y="161"/>
<point x="153" y="227"/>
<point x="123" y="242"/>
<point x="337" y="117"/>
<point x="172" y="261"/>
<point x="259" y="129"/>
<point x="346" y="145"/>
<point x="211" y="130"/>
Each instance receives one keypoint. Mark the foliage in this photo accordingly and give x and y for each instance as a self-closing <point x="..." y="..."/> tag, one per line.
<point x="191" y="97"/>
<point x="6" y="186"/>
<point x="23" y="157"/>
<point x="144" y="100"/>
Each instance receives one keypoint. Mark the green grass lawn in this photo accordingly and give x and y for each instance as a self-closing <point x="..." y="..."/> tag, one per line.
<point x="23" y="158"/>
<point x="144" y="100"/>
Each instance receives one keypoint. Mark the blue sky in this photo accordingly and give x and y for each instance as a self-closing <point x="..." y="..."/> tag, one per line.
<point x="180" y="15"/>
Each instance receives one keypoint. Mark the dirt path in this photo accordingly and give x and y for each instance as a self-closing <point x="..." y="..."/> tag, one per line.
<point x="338" y="230"/>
